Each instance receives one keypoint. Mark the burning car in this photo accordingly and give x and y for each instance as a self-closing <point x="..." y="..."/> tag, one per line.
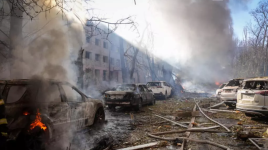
<point x="251" y="98"/>
<point x="134" y="95"/>
<point x="47" y="108"/>
<point x="219" y="90"/>
<point x="229" y="92"/>
<point x="160" y="89"/>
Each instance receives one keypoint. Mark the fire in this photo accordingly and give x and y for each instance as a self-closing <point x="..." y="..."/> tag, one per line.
<point x="217" y="83"/>
<point x="37" y="122"/>
<point x="26" y="113"/>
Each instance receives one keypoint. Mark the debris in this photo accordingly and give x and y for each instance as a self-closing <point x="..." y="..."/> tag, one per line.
<point x="211" y="119"/>
<point x="141" y="146"/>
<point x="188" y="114"/>
<point x="262" y="141"/>
<point x="239" y="123"/>
<point x="228" y="111"/>
<point x="190" y="130"/>
<point x="217" y="105"/>
<point x="195" y="140"/>
<point x="172" y="121"/>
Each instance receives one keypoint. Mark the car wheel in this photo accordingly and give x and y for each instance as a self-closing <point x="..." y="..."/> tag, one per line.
<point x="34" y="139"/>
<point x="152" y="102"/>
<point x="99" y="116"/>
<point x="139" y="105"/>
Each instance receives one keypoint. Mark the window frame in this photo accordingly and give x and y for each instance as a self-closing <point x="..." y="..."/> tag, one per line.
<point x="73" y="88"/>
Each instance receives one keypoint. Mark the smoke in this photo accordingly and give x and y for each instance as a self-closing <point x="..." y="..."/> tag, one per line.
<point x="204" y="35"/>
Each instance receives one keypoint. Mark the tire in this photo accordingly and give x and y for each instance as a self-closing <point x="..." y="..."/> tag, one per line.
<point x="152" y="102"/>
<point x="99" y="116"/>
<point x="139" y="105"/>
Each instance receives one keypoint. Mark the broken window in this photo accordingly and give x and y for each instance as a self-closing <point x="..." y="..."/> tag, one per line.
<point x="15" y="93"/>
<point x="88" y="55"/>
<point x="255" y="85"/>
<point x="234" y="83"/>
<point x="105" y="59"/>
<point x="104" y="75"/>
<point x="126" y="87"/>
<point x="88" y="39"/>
<point x="97" y="42"/>
<point x="71" y="94"/>
<point x="97" y="57"/>
<point x="105" y="45"/>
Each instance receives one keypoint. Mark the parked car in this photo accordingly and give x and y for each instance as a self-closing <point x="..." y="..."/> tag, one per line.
<point x="160" y="89"/>
<point x="219" y="90"/>
<point x="134" y="95"/>
<point x="53" y="106"/>
<point x="252" y="98"/>
<point x="229" y="92"/>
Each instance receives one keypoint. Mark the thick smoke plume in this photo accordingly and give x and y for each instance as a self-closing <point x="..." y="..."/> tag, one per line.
<point x="203" y="30"/>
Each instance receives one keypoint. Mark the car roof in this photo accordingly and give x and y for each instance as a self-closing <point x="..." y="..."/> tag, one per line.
<point x="257" y="79"/>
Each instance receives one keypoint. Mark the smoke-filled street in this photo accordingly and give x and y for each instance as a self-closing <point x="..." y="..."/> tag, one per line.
<point x="133" y="74"/>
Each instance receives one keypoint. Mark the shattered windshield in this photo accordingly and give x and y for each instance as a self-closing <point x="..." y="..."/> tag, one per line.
<point x="234" y="83"/>
<point x="255" y="85"/>
<point x="126" y="87"/>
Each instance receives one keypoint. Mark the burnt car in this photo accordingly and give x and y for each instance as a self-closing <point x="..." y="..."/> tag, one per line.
<point x="134" y="95"/>
<point x="47" y="108"/>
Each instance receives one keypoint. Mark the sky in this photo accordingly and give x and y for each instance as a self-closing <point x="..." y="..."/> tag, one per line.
<point x="242" y="16"/>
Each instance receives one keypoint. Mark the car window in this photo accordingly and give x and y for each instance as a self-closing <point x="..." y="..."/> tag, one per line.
<point x="234" y="83"/>
<point x="125" y="87"/>
<point x="141" y="88"/>
<point x="15" y="93"/>
<point x="71" y="94"/>
<point x="255" y="85"/>
<point x="49" y="93"/>
<point x="153" y="84"/>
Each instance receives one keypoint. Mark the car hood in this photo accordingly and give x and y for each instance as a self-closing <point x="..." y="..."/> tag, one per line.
<point x="118" y="92"/>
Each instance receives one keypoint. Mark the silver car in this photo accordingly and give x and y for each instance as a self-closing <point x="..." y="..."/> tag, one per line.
<point x="229" y="92"/>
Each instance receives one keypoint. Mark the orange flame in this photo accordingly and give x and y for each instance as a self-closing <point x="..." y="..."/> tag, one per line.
<point x="26" y="113"/>
<point x="217" y="83"/>
<point x="37" y="122"/>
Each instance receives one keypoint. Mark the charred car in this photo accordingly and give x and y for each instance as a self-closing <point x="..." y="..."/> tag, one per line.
<point x="134" y="95"/>
<point x="229" y="92"/>
<point x="47" y="108"/>
<point x="252" y="98"/>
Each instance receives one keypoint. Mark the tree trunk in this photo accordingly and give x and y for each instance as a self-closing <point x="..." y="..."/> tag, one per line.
<point x="264" y="62"/>
<point x="133" y="63"/>
<point x="123" y="64"/>
<point x="80" y="67"/>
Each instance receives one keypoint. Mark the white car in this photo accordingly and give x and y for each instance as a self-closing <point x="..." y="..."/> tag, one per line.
<point x="229" y="92"/>
<point x="252" y="98"/>
<point x="161" y="89"/>
<point x="219" y="90"/>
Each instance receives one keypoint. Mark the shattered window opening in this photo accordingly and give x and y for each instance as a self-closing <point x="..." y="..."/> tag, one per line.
<point x="15" y="93"/>
<point x="255" y="85"/>
<point x="126" y="87"/>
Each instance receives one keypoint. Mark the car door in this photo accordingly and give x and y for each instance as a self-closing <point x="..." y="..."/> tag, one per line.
<point x="143" y="94"/>
<point x="52" y="104"/>
<point x="76" y="101"/>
